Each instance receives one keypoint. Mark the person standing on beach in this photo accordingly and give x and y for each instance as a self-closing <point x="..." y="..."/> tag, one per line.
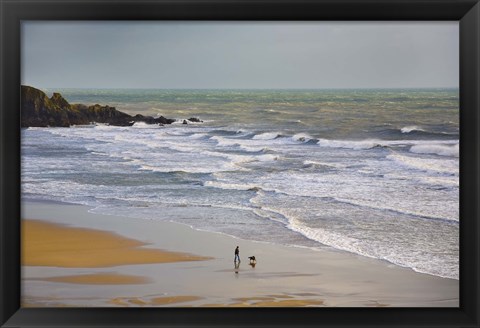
<point x="237" y="256"/>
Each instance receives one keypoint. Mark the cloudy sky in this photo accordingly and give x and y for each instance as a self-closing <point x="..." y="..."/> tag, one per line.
<point x="244" y="55"/>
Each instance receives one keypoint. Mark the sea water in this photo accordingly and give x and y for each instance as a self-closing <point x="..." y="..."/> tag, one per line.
<point x="371" y="172"/>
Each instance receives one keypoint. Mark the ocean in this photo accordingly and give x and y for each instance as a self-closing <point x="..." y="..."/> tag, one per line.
<point x="372" y="172"/>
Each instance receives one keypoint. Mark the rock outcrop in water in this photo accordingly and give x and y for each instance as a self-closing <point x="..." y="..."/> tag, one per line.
<point x="151" y="120"/>
<point x="37" y="110"/>
<point x="195" y="119"/>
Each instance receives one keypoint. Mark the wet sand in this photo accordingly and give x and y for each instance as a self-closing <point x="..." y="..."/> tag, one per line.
<point x="48" y="244"/>
<point x="152" y="263"/>
<point x="100" y="279"/>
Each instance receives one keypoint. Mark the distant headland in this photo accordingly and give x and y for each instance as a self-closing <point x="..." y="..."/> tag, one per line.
<point x="37" y="110"/>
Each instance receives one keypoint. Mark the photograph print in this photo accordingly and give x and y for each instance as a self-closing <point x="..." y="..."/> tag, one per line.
<point x="239" y="164"/>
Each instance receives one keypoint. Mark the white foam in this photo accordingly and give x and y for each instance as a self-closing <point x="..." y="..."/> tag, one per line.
<point x="253" y="149"/>
<point x="443" y="150"/>
<point x="445" y="166"/>
<point x="224" y="142"/>
<point x="372" y="143"/>
<point x="267" y="158"/>
<point x="354" y="188"/>
<point x="318" y="163"/>
<point x="410" y="128"/>
<point x="105" y="126"/>
<point x="406" y="255"/>
<point x="143" y="125"/>
<point x="450" y="182"/>
<point x="183" y="168"/>
<point x="416" y="260"/>
<point x="198" y="135"/>
<point x="328" y="238"/>
<point x="239" y="159"/>
<point x="302" y="137"/>
<point x="267" y="136"/>
<point x="253" y="145"/>
<point x="351" y="144"/>
<point x="231" y="186"/>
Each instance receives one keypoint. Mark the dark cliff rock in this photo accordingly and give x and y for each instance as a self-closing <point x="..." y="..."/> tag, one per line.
<point x="163" y="120"/>
<point x="152" y="120"/>
<point x="40" y="111"/>
<point x="103" y="114"/>
<point x="59" y="101"/>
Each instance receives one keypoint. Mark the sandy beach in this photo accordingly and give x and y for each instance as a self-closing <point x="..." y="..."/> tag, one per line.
<point x="47" y="244"/>
<point x="72" y="257"/>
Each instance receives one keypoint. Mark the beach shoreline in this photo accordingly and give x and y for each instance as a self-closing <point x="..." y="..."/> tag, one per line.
<point x="283" y="275"/>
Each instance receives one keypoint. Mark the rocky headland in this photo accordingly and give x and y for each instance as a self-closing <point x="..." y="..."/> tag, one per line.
<point x="37" y="110"/>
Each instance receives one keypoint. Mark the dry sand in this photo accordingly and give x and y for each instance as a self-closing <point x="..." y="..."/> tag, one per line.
<point x="283" y="276"/>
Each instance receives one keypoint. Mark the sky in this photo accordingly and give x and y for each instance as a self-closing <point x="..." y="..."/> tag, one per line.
<point x="239" y="55"/>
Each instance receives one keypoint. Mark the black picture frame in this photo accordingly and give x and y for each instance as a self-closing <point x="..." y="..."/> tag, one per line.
<point x="467" y="12"/>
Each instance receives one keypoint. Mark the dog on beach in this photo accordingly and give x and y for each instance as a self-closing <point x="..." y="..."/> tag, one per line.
<point x="252" y="259"/>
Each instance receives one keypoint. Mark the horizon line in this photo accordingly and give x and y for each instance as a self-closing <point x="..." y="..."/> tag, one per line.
<point x="306" y="88"/>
